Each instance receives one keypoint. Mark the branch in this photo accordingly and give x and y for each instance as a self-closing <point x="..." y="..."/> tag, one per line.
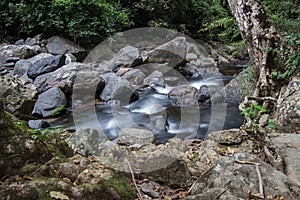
<point x="133" y="180"/>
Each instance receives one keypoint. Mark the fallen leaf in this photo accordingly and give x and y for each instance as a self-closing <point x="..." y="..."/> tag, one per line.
<point x="58" y="195"/>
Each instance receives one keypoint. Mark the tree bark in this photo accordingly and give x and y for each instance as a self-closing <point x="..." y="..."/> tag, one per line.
<point x="259" y="35"/>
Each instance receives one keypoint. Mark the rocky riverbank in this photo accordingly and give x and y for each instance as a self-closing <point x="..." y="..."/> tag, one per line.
<point x="39" y="77"/>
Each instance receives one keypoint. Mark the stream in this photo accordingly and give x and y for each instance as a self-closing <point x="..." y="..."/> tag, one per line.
<point x="156" y="112"/>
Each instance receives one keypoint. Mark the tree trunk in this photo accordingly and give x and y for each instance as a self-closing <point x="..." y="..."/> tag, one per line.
<point x="259" y="35"/>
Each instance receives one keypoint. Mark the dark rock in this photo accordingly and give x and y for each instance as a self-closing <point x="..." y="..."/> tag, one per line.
<point x="173" y="53"/>
<point x="37" y="124"/>
<point x="184" y="95"/>
<point x="59" y="46"/>
<point x="234" y="179"/>
<point x="49" y="103"/>
<point x="22" y="66"/>
<point x="45" y="65"/>
<point x="18" y="97"/>
<point x="65" y="77"/>
<point x="204" y="93"/>
<point x="288" y="107"/>
<point x="20" y="51"/>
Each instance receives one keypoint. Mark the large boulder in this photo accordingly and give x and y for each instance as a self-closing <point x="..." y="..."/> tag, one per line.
<point x="156" y="78"/>
<point x="118" y="89"/>
<point x="184" y="95"/>
<point x="134" y="76"/>
<point x="21" y="51"/>
<point x="18" y="97"/>
<point x="45" y="65"/>
<point x="288" y="107"/>
<point x="130" y="136"/>
<point x="50" y="103"/>
<point x="22" y="66"/>
<point x="173" y="53"/>
<point x="58" y="46"/>
<point x="287" y="146"/>
<point x="231" y="177"/>
<point x="128" y="56"/>
<point x="65" y="77"/>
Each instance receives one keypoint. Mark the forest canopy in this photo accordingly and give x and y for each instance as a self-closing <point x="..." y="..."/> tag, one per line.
<point x="89" y="19"/>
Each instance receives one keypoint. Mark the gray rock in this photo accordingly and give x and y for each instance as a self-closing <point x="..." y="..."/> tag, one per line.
<point x="227" y="137"/>
<point x="31" y="41"/>
<point x="20" y="42"/>
<point x="288" y="147"/>
<point x="288" y="107"/>
<point x="135" y="76"/>
<point x="86" y="141"/>
<point x="18" y="97"/>
<point x="37" y="124"/>
<point x="20" y="51"/>
<point x="156" y="164"/>
<point x="117" y="88"/>
<point x="204" y="93"/>
<point x="173" y="53"/>
<point x="128" y="56"/>
<point x="22" y="66"/>
<point x="59" y="46"/>
<point x="156" y="78"/>
<point x="49" y="103"/>
<point x="184" y="95"/>
<point x="234" y="179"/>
<point x="65" y="77"/>
<point x="130" y="136"/>
<point x="45" y="65"/>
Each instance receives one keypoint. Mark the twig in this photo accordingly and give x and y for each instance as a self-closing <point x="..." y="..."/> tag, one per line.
<point x="191" y="188"/>
<point x="261" y="187"/>
<point x="217" y="197"/>
<point x="248" y="197"/>
<point x="133" y="180"/>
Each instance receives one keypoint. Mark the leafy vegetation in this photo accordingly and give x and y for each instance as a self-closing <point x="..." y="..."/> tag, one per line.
<point x="75" y="19"/>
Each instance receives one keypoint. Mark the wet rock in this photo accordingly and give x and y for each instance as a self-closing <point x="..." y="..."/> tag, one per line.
<point x="59" y="46"/>
<point x="37" y="124"/>
<point x="173" y="53"/>
<point x="184" y="95"/>
<point x="287" y="118"/>
<point x="117" y="88"/>
<point x="18" y="97"/>
<point x="288" y="147"/>
<point x="65" y="77"/>
<point x="86" y="141"/>
<point x="128" y="56"/>
<point x="130" y="136"/>
<point x="234" y="179"/>
<point x="134" y="76"/>
<point x="45" y="65"/>
<point x="204" y="93"/>
<point x="156" y="78"/>
<point x="20" y="51"/>
<point x="50" y="103"/>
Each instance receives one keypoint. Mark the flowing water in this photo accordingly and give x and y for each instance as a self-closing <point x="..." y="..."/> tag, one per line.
<point x="160" y="114"/>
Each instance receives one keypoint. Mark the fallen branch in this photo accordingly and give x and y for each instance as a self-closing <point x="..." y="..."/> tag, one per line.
<point x="261" y="187"/>
<point x="133" y="180"/>
<point x="220" y="194"/>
